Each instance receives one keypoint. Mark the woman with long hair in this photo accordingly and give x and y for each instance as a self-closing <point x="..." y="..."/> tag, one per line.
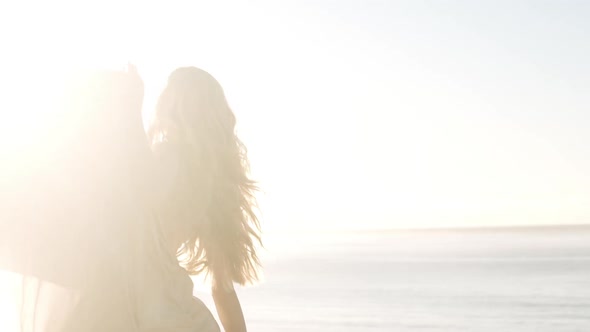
<point x="207" y="212"/>
<point x="83" y="248"/>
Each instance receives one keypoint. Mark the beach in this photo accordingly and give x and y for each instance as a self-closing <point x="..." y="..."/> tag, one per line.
<point x="530" y="279"/>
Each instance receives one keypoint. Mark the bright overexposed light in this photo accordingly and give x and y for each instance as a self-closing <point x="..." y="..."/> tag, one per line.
<point x="9" y="301"/>
<point x="350" y="122"/>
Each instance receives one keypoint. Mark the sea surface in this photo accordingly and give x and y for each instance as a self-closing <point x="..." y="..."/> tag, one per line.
<point x="437" y="280"/>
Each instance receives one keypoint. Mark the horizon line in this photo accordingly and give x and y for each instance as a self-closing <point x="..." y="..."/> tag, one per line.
<point x="485" y="228"/>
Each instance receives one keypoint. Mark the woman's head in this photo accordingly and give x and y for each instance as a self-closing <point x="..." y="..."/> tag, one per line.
<point x="210" y="207"/>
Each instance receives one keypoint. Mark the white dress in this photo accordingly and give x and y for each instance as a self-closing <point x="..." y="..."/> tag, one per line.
<point x="165" y="302"/>
<point x="79" y="264"/>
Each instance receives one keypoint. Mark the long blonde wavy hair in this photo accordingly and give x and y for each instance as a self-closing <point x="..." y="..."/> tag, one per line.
<point x="211" y="206"/>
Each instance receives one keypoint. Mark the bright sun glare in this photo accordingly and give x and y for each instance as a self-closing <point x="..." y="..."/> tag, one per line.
<point x="355" y="117"/>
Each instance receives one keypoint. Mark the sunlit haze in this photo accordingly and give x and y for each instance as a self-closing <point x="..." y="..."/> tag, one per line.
<point x="362" y="114"/>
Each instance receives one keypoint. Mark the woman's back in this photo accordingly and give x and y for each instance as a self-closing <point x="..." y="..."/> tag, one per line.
<point x="207" y="212"/>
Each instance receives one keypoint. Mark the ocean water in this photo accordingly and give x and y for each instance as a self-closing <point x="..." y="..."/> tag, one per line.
<point x="477" y="280"/>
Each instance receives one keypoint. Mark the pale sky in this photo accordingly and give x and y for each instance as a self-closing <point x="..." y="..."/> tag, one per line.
<point x="366" y="114"/>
